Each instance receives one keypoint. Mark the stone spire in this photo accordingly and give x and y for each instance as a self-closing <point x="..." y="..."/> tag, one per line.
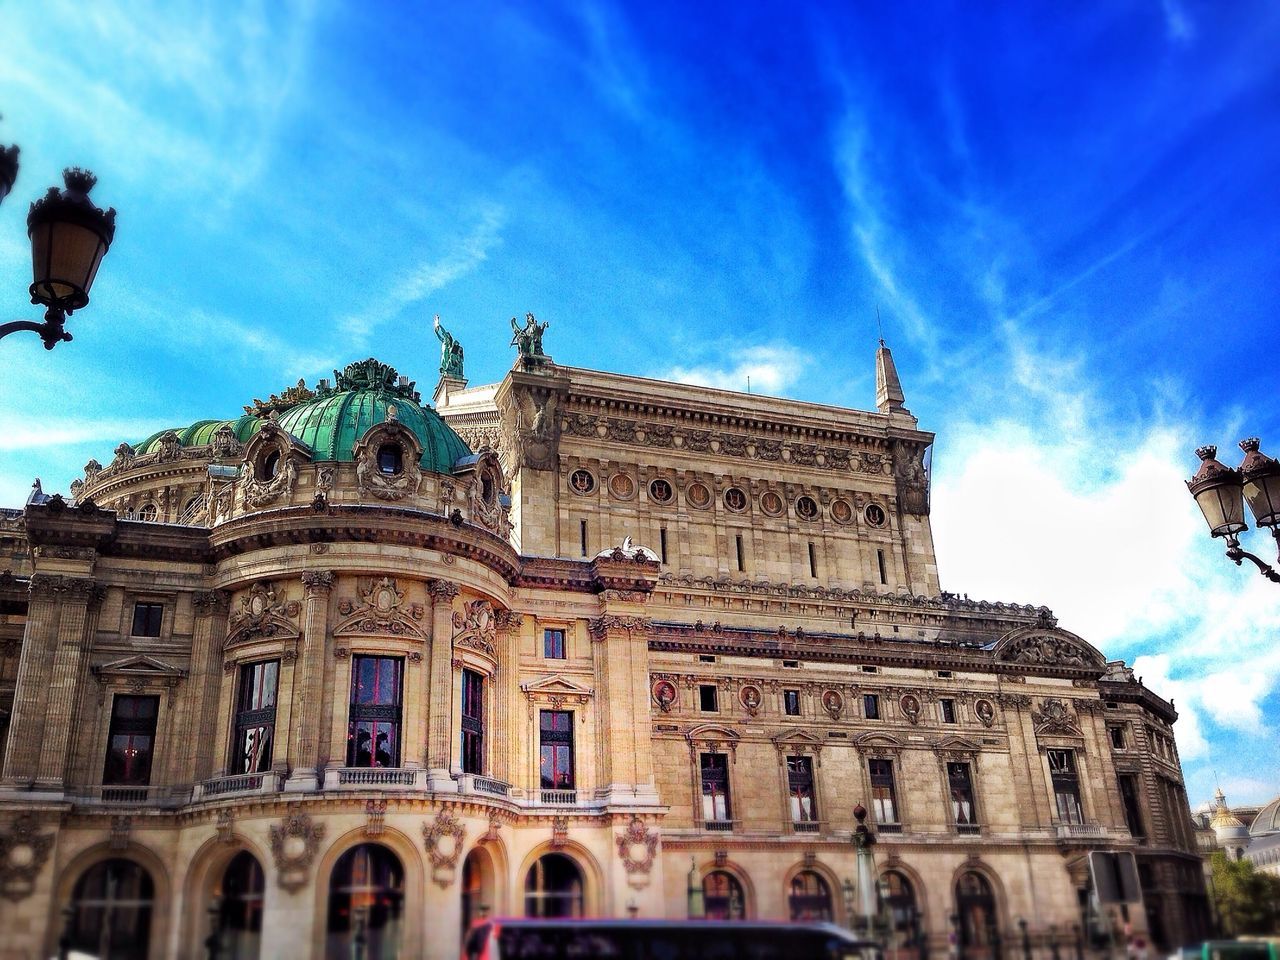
<point x="889" y="396"/>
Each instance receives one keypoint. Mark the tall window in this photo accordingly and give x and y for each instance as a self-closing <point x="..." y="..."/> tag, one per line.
<point x="722" y="896"/>
<point x="256" y="717"/>
<point x="1117" y="737"/>
<point x="948" y="710"/>
<point x="373" y="728"/>
<point x="791" y="703"/>
<point x="111" y="911"/>
<point x="715" y="788"/>
<point x="804" y="808"/>
<point x="1066" y="785"/>
<point x="556" y="749"/>
<point x="553" y="644"/>
<point x="1129" y="799"/>
<point x="240" y="909"/>
<point x="960" y="782"/>
<point x="707" y="702"/>
<point x="147" y="618"/>
<point x="871" y="706"/>
<point x="809" y="898"/>
<point x="366" y="904"/>
<point x="884" y="801"/>
<point x="131" y="740"/>
<point x="553" y="888"/>
<point x="472" y="722"/>
<point x="901" y="904"/>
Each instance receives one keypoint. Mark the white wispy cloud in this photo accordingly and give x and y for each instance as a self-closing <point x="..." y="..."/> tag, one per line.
<point x="769" y="368"/>
<point x="1178" y="25"/>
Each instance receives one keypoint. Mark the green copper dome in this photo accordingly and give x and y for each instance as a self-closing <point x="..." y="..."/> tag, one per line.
<point x="331" y="419"/>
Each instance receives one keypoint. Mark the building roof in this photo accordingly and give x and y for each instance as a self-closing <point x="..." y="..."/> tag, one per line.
<point x="1267" y="821"/>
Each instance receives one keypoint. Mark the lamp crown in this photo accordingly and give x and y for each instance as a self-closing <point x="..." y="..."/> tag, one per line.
<point x="78" y="180"/>
<point x="1249" y="444"/>
<point x="859" y="813"/>
<point x="1207" y="452"/>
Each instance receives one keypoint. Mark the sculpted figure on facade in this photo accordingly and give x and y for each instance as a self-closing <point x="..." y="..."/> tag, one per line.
<point x="528" y="339"/>
<point x="450" y="352"/>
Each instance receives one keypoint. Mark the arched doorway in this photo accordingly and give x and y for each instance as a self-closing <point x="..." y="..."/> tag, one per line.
<point x="553" y="888"/>
<point x="111" y="910"/>
<point x="979" y="925"/>
<point x="479" y="890"/>
<point x="904" y="912"/>
<point x="722" y="896"/>
<point x="240" y="908"/>
<point x="810" y="897"/>
<point x="366" y="904"/>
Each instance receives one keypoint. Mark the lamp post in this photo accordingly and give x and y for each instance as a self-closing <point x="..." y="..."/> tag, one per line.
<point x="1026" y="938"/>
<point x="213" y="942"/>
<point x="867" y="891"/>
<point x="69" y="237"/>
<point x="696" y="902"/>
<point x="1221" y="493"/>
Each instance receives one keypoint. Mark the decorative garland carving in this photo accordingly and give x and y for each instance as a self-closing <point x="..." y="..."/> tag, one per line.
<point x="369" y="477"/>
<point x="380" y="609"/>
<point x="1050" y="650"/>
<point x="1053" y="717"/>
<point x="474" y="626"/>
<point x="270" y="439"/>
<point x="637" y="847"/>
<point x="262" y="613"/>
<point x="443" y="839"/>
<point x="295" y="841"/>
<point x="600" y="627"/>
<point x="23" y="852"/>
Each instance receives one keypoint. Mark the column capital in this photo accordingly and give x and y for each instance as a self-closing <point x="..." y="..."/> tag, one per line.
<point x="444" y="590"/>
<point x="601" y="627"/>
<point x="53" y="587"/>
<point x="508" y="619"/>
<point x="316" y="583"/>
<point x="209" y="603"/>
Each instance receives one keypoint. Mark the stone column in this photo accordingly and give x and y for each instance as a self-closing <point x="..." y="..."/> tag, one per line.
<point x="305" y="736"/>
<point x="440" y="686"/>
<point x="505" y="688"/>
<point x="621" y="652"/>
<point x="34" y="665"/>
<point x="210" y="630"/>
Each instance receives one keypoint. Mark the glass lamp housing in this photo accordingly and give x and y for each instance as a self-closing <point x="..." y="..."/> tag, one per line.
<point x="1261" y="476"/>
<point x="1218" y="492"/>
<point x="69" y="237"/>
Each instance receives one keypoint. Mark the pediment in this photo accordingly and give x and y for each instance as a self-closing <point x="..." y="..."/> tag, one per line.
<point x="1040" y="646"/>
<point x="556" y="685"/>
<point x="380" y="608"/>
<point x="879" y="741"/>
<point x="957" y="745"/>
<point x="713" y="731"/>
<point x="139" y="666"/>
<point x="798" y="738"/>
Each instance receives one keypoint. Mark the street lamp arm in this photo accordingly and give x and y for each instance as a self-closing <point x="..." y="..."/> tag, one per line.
<point x="1236" y="554"/>
<point x="51" y="331"/>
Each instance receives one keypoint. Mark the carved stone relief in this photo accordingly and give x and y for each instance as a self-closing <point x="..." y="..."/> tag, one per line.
<point x="637" y="847"/>
<point x="295" y="841"/>
<point x="443" y="839"/>
<point x="23" y="852"/>
<point x="476" y="627"/>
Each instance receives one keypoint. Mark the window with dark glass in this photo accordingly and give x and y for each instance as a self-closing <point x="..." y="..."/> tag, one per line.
<point x="390" y="459"/>
<point x="791" y="702"/>
<point x="240" y="908"/>
<point x="707" y="698"/>
<point x="373" y="728"/>
<point x="884" y="801"/>
<point x="553" y="644"/>
<point x="810" y="898"/>
<point x="871" y="706"/>
<point x="722" y="896"/>
<point x="1132" y="810"/>
<point x="131" y="740"/>
<point x="110" y="914"/>
<point x="147" y="618"/>
<point x="960" y="783"/>
<point x="366" y="905"/>
<point x="556" y="749"/>
<point x="715" y="787"/>
<point x="472" y="722"/>
<point x="553" y="888"/>
<point x="1117" y="737"/>
<point x="804" y="808"/>
<point x="256" y="717"/>
<point x="948" y="710"/>
<point x="1066" y="785"/>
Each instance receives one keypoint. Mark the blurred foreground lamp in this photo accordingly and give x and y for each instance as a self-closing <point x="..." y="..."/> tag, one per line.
<point x="1221" y="492"/>
<point x="69" y="237"/>
<point x="8" y="170"/>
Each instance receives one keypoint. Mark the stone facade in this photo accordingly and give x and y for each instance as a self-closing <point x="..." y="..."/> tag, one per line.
<point x="783" y="617"/>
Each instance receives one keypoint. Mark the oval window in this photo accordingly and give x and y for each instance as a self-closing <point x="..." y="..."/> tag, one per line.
<point x="660" y="491"/>
<point x="735" y="500"/>
<point x="270" y="466"/>
<point x="390" y="459"/>
<point x="807" y="508"/>
<point x="581" y="481"/>
<point x="874" y="514"/>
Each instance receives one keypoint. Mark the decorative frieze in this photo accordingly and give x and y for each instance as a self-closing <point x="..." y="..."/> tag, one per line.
<point x="600" y="627"/>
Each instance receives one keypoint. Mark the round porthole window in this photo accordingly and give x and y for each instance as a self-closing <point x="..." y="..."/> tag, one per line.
<point x="581" y="481"/>
<point x="874" y="514"/>
<point x="807" y="508"/>
<point x="735" y="500"/>
<point x="660" y="491"/>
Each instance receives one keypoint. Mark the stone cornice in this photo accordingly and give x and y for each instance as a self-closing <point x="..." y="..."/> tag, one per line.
<point x="1136" y="693"/>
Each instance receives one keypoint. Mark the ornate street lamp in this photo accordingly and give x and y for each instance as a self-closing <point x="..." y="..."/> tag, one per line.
<point x="69" y="237"/>
<point x="1221" y="492"/>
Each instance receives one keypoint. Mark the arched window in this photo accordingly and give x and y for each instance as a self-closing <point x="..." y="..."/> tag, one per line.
<point x="111" y="911"/>
<point x="810" y="897"/>
<point x="477" y="888"/>
<point x="269" y="466"/>
<point x="366" y="904"/>
<point x="553" y="888"/>
<point x="390" y="459"/>
<point x="900" y="901"/>
<point x="976" y="907"/>
<point x="148" y="512"/>
<point x="240" y="908"/>
<point x="722" y="896"/>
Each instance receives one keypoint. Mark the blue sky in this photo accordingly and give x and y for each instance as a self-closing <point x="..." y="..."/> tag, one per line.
<point x="1067" y="217"/>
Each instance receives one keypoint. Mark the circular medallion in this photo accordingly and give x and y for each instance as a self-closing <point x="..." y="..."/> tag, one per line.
<point x="698" y="495"/>
<point x="772" y="504"/>
<point x="750" y="696"/>
<point x="622" y="487"/>
<point x="874" y="514"/>
<point x="582" y="482"/>
<point x="910" y="705"/>
<point x="735" y="500"/>
<point x="985" y="711"/>
<point x="807" y="508"/>
<point x="660" y="491"/>
<point x="833" y="703"/>
<point x="842" y="511"/>
<point x="665" y="694"/>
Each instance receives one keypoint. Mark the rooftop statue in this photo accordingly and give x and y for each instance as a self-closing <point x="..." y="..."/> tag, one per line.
<point x="450" y="352"/>
<point x="528" y="340"/>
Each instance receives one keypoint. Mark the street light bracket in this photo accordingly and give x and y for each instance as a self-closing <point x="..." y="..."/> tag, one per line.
<point x="51" y="331"/>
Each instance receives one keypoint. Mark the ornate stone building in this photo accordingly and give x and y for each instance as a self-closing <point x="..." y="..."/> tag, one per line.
<point x="353" y="666"/>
